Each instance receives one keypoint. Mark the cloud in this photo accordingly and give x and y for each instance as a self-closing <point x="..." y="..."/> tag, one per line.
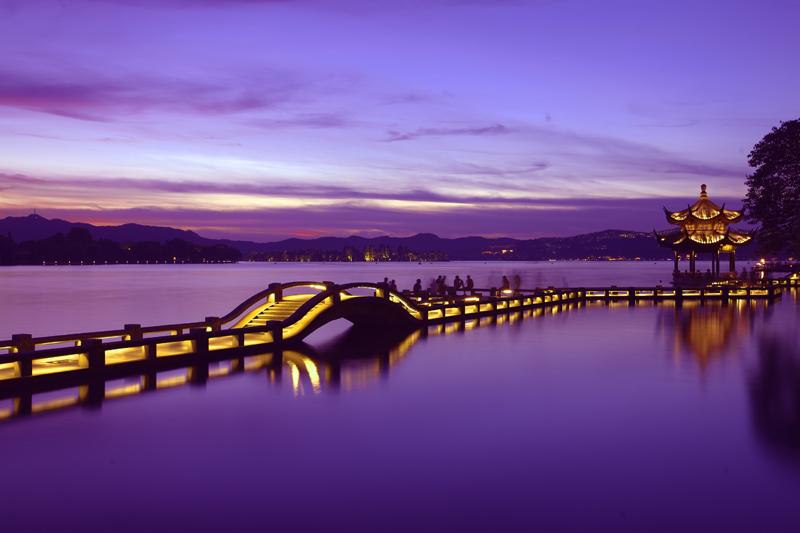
<point x="496" y="129"/>
<point x="575" y="217"/>
<point x="99" y="98"/>
<point x="304" y="120"/>
<point x="409" y="199"/>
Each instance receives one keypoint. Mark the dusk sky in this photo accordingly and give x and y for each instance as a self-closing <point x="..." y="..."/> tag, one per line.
<point x="261" y="120"/>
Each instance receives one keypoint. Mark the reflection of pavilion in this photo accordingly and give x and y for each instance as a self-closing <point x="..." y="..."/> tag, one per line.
<point x="707" y="332"/>
<point x="704" y="227"/>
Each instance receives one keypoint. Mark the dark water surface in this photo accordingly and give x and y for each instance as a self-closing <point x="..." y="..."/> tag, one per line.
<point x="599" y="418"/>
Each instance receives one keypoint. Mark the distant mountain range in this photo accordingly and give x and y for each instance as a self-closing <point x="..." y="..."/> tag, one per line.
<point x="609" y="244"/>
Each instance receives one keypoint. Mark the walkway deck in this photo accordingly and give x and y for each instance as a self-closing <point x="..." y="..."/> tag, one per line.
<point x="272" y="321"/>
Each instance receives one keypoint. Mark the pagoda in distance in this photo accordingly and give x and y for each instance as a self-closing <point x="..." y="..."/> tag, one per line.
<point x="704" y="227"/>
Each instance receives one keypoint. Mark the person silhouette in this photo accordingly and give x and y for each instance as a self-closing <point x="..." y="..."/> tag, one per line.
<point x="418" y="287"/>
<point x="506" y="284"/>
<point x="458" y="284"/>
<point x="470" y="285"/>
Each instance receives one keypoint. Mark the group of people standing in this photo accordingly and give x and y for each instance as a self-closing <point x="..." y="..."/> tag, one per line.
<point x="439" y="286"/>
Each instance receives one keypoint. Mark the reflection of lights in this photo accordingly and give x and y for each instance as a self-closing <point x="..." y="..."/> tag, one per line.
<point x="171" y="382"/>
<point x="219" y="372"/>
<point x="313" y="374"/>
<point x="5" y="413"/>
<point x="255" y="362"/>
<point x="54" y="404"/>
<point x="128" y="390"/>
<point x="295" y="377"/>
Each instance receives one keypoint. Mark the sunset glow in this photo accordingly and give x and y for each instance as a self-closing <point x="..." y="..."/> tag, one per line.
<point x="262" y="119"/>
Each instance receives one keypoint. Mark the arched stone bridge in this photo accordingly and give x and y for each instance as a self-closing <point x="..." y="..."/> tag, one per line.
<point x="284" y="314"/>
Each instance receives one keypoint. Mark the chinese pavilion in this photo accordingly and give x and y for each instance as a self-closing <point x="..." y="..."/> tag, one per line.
<point x="704" y="228"/>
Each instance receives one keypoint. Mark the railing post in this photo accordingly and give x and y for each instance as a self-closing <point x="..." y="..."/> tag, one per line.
<point x="726" y="294"/>
<point x="200" y="340"/>
<point x="278" y="288"/>
<point x="198" y="373"/>
<point x="276" y="364"/>
<point x="135" y="332"/>
<point x="631" y="296"/>
<point x="336" y="297"/>
<point x="24" y="367"/>
<point x="214" y="323"/>
<point x="95" y="355"/>
<point x="151" y="350"/>
<point x="276" y="330"/>
<point x="678" y="297"/>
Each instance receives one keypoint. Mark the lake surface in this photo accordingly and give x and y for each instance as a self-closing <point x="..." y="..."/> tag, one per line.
<point x="596" y="418"/>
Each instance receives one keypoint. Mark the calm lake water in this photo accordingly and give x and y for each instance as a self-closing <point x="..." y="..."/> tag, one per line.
<point x="599" y="418"/>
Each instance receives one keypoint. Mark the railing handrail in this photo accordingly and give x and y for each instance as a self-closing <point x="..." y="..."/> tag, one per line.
<point x="329" y="291"/>
<point x="238" y="311"/>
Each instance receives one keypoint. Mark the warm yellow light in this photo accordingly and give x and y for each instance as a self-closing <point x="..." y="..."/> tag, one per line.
<point x="124" y="391"/>
<point x="313" y="374"/>
<point x="171" y="382"/>
<point x="295" y="377"/>
<point x="53" y="404"/>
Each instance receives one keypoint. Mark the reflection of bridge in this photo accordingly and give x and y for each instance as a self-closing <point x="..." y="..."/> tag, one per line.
<point x="283" y="315"/>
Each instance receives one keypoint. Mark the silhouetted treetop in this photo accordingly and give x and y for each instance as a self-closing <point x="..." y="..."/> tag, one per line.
<point x="773" y="190"/>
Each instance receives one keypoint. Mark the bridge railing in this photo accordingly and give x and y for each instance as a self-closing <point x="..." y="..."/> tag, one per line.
<point x="92" y="353"/>
<point x="331" y="293"/>
<point x="25" y="342"/>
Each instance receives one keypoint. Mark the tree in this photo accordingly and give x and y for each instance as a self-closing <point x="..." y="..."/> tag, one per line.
<point x="773" y="190"/>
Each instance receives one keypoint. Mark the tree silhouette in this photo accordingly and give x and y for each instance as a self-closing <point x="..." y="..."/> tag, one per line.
<point x="773" y="190"/>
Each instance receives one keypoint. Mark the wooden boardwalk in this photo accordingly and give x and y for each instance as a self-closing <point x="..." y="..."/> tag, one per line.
<point x="281" y="316"/>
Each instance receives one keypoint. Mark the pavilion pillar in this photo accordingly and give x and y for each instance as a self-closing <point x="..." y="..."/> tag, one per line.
<point x="692" y="259"/>
<point x="677" y="269"/>
<point x="732" y="258"/>
<point x="717" y="261"/>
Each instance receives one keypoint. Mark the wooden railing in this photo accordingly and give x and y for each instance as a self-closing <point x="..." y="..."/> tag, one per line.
<point x="92" y="352"/>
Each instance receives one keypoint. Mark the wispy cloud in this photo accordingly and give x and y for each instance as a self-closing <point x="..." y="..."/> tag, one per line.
<point x="304" y="120"/>
<point x="496" y="129"/>
<point x="99" y="98"/>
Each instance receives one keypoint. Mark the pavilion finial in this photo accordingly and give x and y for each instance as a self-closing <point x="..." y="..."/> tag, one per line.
<point x="703" y="191"/>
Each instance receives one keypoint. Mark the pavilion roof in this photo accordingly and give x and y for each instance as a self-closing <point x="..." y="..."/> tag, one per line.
<point x="703" y="240"/>
<point x="703" y="210"/>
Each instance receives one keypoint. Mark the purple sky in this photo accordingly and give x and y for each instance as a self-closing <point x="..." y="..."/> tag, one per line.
<point x="263" y="119"/>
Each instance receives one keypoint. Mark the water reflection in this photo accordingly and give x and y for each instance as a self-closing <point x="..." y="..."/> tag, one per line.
<point x="356" y="359"/>
<point x="775" y="395"/>
<point x="350" y="361"/>
<point x="708" y="332"/>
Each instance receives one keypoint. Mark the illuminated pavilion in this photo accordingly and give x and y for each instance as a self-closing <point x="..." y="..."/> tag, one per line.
<point x="704" y="227"/>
